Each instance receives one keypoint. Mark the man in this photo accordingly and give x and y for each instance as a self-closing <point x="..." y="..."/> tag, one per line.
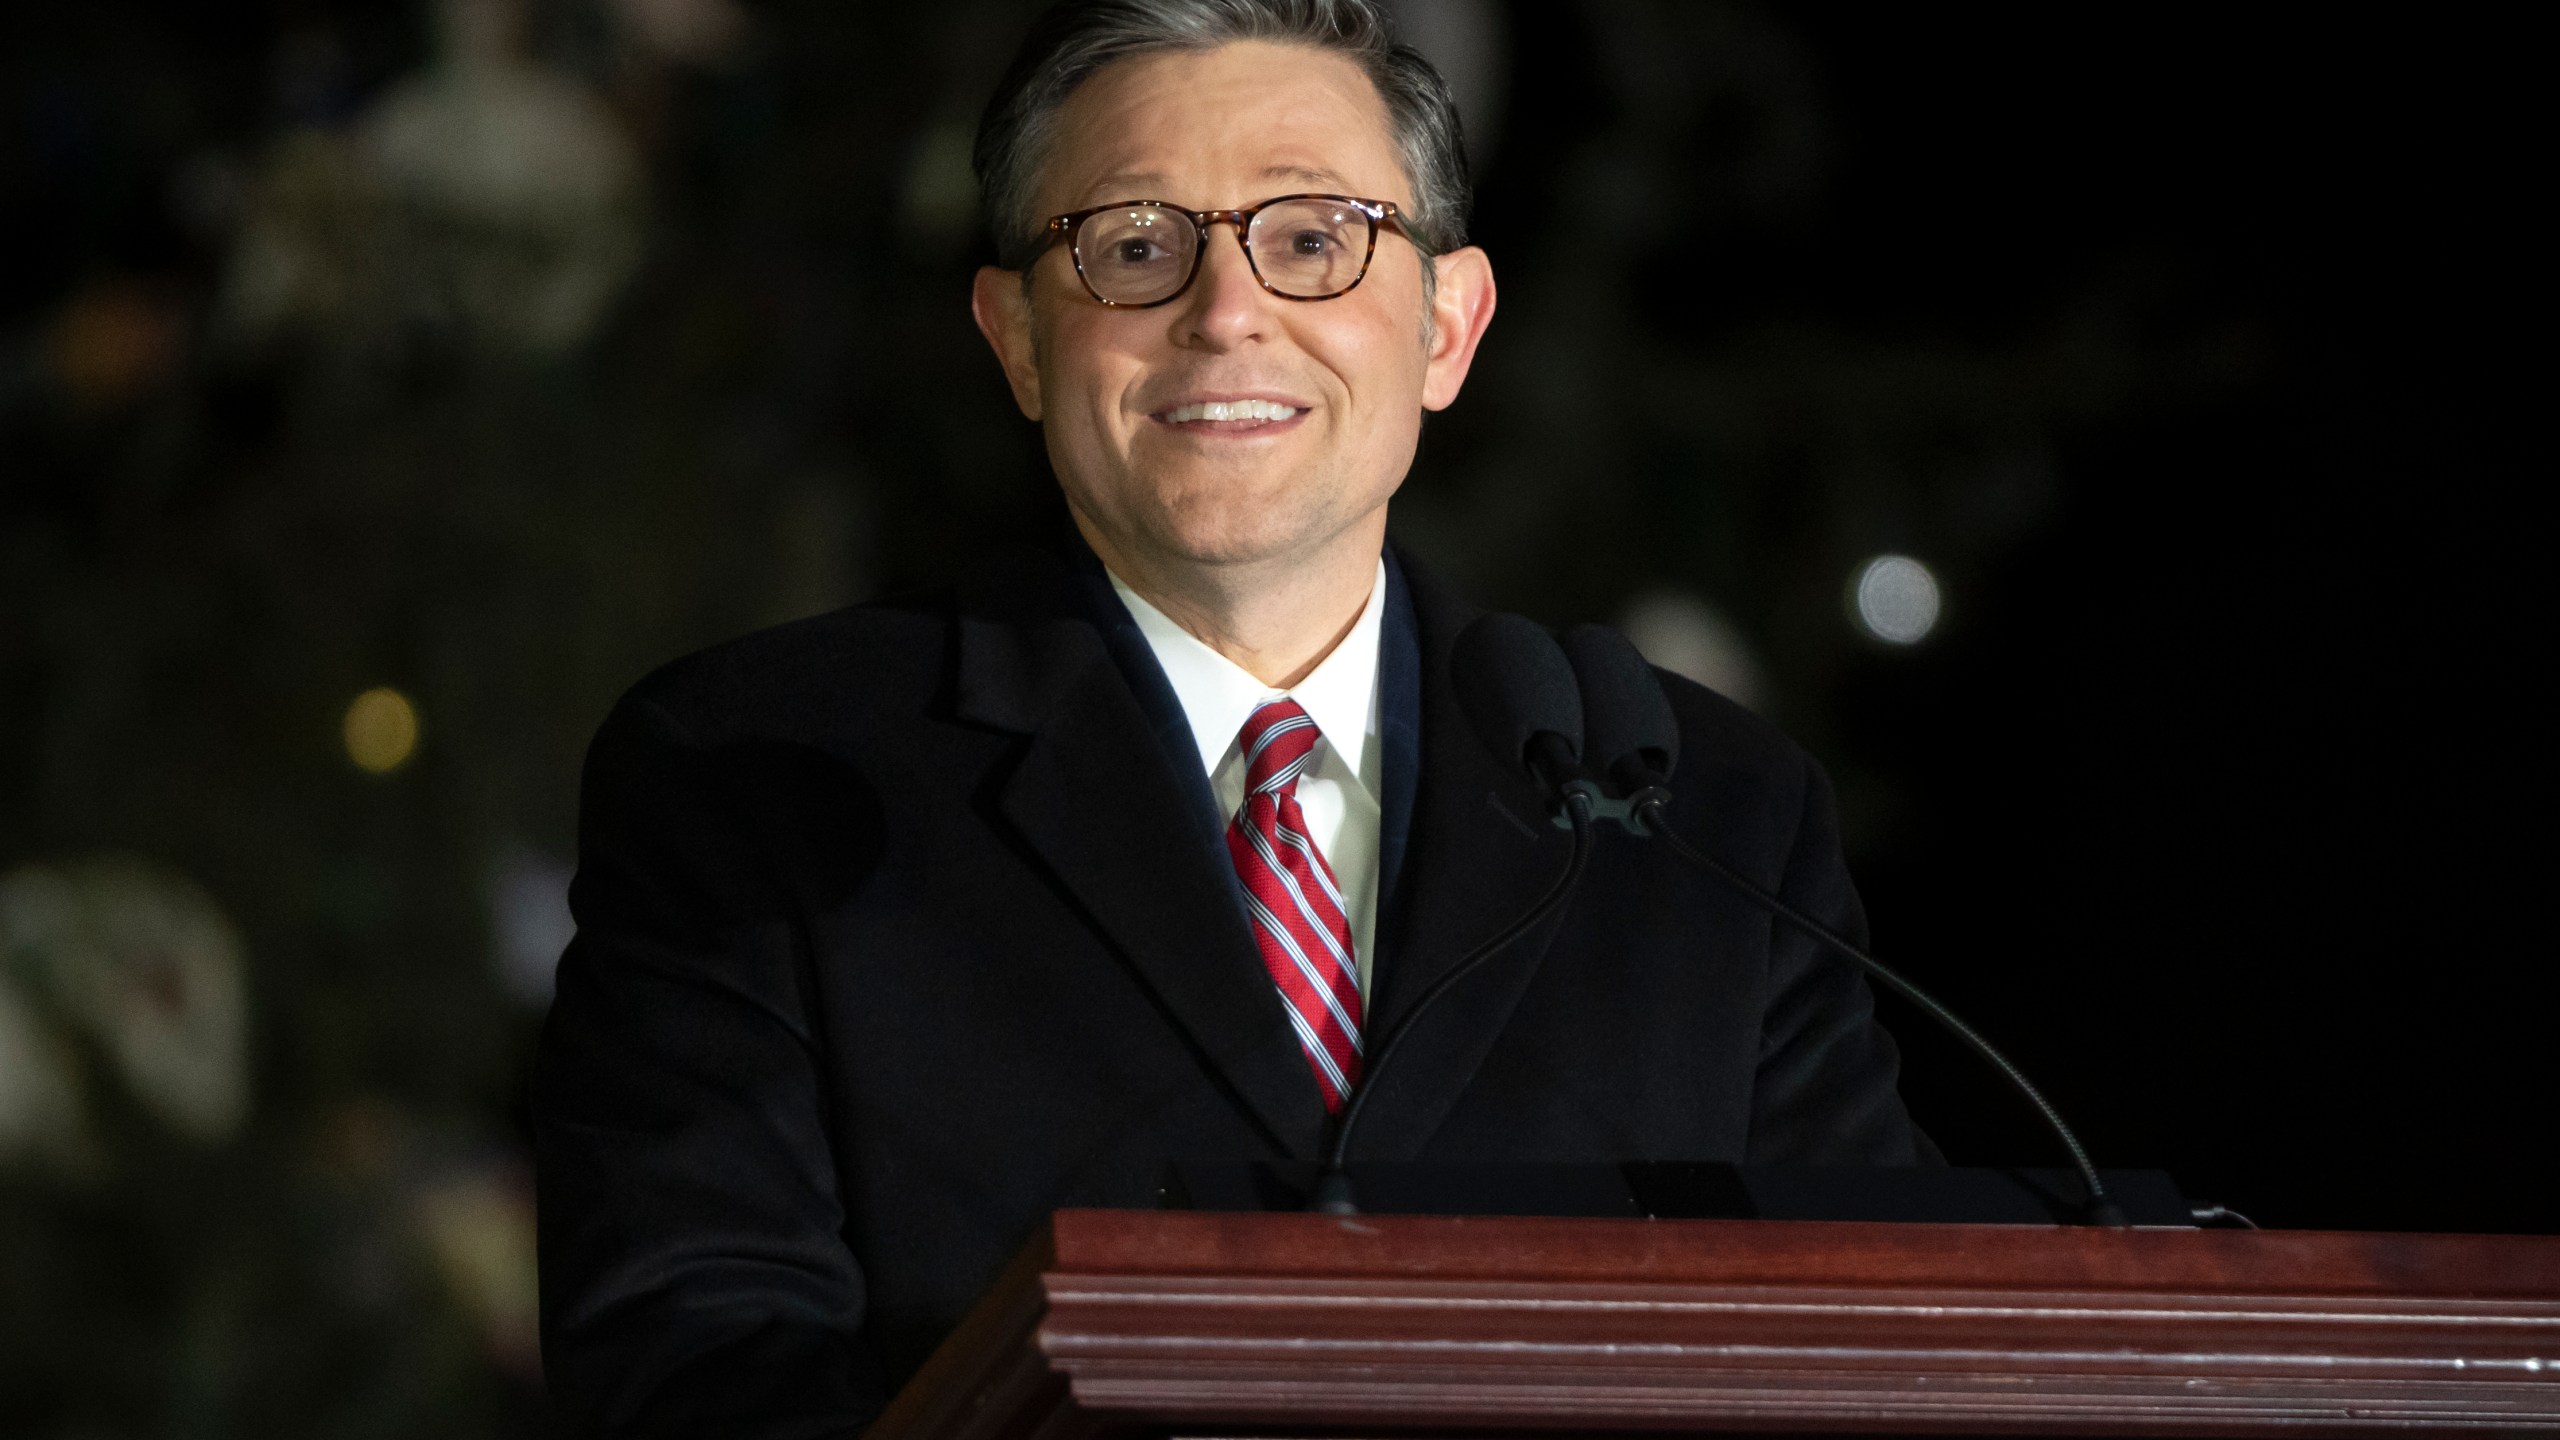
<point x="901" y="927"/>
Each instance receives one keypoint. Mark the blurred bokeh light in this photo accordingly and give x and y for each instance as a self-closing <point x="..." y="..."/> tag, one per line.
<point x="381" y="730"/>
<point x="1895" y="599"/>
<point x="1687" y="636"/>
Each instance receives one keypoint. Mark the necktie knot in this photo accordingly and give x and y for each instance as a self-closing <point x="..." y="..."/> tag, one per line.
<point x="1277" y="739"/>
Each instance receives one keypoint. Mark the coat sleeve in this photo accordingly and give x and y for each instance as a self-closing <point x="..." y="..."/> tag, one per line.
<point x="695" y="1276"/>
<point x="1825" y="1091"/>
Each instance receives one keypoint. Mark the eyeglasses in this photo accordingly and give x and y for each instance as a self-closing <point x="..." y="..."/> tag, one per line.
<point x="1139" y="253"/>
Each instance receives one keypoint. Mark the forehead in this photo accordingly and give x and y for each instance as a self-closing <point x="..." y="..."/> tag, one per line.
<point x="1222" y="127"/>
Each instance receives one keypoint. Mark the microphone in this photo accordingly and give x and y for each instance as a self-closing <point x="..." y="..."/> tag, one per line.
<point x="1635" y="739"/>
<point x="1630" y="732"/>
<point x="1519" y="693"/>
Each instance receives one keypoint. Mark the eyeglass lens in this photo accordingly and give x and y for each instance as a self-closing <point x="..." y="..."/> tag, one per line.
<point x="1141" y="254"/>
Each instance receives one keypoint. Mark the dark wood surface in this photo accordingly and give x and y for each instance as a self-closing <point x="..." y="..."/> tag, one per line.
<point x="1191" y="1323"/>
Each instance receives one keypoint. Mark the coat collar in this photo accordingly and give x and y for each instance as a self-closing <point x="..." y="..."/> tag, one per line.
<point x="1095" y="795"/>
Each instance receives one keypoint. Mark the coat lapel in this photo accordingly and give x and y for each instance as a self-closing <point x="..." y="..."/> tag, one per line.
<point x="1094" y="795"/>
<point x="1482" y="848"/>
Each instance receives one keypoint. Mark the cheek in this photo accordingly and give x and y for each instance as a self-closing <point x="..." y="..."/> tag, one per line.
<point x="1081" y="379"/>
<point x="1382" y="364"/>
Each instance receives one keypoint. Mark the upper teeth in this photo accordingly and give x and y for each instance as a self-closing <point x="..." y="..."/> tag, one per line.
<point x="1229" y="410"/>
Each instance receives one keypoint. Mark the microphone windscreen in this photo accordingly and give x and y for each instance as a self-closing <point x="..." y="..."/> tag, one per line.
<point x="1624" y="712"/>
<point x="1514" y="685"/>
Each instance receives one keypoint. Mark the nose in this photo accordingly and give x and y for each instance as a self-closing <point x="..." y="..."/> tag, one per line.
<point x="1226" y="305"/>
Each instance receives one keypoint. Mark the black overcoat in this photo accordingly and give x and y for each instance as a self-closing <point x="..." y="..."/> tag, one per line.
<point x="902" y="926"/>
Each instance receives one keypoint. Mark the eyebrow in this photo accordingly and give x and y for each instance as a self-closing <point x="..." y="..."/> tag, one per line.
<point x="1306" y="175"/>
<point x="1146" y="184"/>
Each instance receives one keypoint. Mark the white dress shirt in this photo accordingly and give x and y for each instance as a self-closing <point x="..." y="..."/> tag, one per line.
<point x="1340" y="788"/>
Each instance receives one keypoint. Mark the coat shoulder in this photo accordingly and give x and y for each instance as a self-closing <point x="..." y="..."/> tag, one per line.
<point x="1739" y="776"/>
<point x="873" y="663"/>
<point x="1718" y="731"/>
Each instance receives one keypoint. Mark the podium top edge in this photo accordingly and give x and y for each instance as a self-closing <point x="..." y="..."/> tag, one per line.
<point x="1516" y="1249"/>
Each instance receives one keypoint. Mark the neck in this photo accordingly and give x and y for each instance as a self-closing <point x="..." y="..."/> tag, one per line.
<point x="1276" y="619"/>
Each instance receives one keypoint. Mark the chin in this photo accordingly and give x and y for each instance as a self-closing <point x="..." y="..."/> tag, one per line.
<point x="1234" y="515"/>
<point x="1230" y="534"/>
<point x="1232" y="545"/>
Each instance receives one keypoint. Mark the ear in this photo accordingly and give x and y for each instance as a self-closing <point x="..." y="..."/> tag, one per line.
<point x="1003" y="314"/>
<point x="1461" y="308"/>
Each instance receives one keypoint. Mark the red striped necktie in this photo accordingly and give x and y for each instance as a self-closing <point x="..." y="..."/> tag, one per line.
<point x="1297" y="911"/>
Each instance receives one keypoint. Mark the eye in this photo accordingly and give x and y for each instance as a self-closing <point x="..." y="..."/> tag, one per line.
<point x="1310" y="244"/>
<point x="1136" y="250"/>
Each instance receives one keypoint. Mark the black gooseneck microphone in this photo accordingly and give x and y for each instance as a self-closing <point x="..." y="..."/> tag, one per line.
<point x="1634" y="739"/>
<point x="1518" y="690"/>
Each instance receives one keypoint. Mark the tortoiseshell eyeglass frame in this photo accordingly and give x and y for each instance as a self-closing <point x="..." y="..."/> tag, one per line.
<point x="1381" y="214"/>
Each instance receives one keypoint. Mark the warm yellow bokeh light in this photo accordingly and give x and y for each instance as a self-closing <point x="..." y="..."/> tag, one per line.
<point x="381" y="730"/>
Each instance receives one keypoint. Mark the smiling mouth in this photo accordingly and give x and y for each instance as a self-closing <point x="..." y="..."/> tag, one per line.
<point x="1229" y="415"/>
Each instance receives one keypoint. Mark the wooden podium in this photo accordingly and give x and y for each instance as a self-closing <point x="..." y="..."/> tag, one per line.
<point x="1191" y="1323"/>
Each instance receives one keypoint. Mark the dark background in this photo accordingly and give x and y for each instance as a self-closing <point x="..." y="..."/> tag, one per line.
<point x="2189" y="348"/>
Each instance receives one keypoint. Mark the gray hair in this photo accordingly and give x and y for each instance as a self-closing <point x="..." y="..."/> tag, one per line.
<point x="1076" y="38"/>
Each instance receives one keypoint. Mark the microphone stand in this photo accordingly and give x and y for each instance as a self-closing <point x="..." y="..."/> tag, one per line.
<point x="1651" y="805"/>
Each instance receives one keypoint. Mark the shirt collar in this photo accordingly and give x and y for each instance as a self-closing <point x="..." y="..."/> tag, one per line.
<point x="1340" y="694"/>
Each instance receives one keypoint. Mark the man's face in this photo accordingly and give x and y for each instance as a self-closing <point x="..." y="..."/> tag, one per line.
<point x="1118" y="391"/>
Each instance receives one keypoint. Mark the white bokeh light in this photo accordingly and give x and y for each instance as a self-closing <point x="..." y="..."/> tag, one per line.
<point x="1687" y="636"/>
<point x="1895" y="599"/>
